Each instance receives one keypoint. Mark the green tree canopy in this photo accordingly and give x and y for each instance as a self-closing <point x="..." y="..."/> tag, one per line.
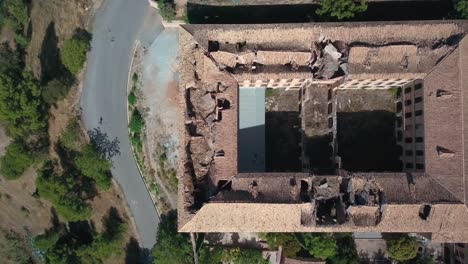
<point x="14" y="14"/>
<point x="16" y="160"/>
<point x="21" y="104"/>
<point x="320" y="245"/>
<point x="172" y="247"/>
<point x="346" y="250"/>
<point x="108" y="243"/>
<point x="287" y="241"/>
<point x="340" y="9"/>
<point x="461" y="6"/>
<point x="74" y="52"/>
<point x="62" y="192"/>
<point x="402" y="247"/>
<point x="92" y="165"/>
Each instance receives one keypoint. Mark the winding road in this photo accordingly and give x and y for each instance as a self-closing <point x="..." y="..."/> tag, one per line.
<point x="118" y="24"/>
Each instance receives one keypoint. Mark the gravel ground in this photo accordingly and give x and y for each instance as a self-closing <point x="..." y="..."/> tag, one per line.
<point x="159" y="88"/>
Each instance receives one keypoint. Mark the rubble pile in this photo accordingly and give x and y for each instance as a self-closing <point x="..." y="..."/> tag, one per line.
<point x="329" y="60"/>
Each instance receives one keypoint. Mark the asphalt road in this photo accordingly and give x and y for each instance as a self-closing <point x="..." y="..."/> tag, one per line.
<point x="117" y="25"/>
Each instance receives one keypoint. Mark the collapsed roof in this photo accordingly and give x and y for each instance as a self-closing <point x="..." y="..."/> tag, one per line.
<point x="216" y="59"/>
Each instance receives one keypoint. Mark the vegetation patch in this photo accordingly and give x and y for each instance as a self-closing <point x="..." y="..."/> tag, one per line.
<point x="16" y="160"/>
<point x="167" y="9"/>
<point x="81" y="244"/>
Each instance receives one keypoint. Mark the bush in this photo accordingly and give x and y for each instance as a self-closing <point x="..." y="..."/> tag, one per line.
<point x="166" y="9"/>
<point x="16" y="160"/>
<point x="402" y="247"/>
<point x="92" y="165"/>
<point x="243" y="256"/>
<point x="286" y="240"/>
<point x="62" y="192"/>
<point x="132" y="98"/>
<point x="14" y="14"/>
<point x="136" y="122"/>
<point x="70" y="137"/>
<point x="340" y="9"/>
<point x="21" y="105"/>
<point x="13" y="248"/>
<point x="461" y="6"/>
<point x="55" y="90"/>
<point x="74" y="52"/>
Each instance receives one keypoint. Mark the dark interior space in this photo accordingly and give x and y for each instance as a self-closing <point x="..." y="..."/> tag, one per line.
<point x="320" y="152"/>
<point x="251" y="147"/>
<point x="282" y="141"/>
<point x="366" y="141"/>
<point x="376" y="11"/>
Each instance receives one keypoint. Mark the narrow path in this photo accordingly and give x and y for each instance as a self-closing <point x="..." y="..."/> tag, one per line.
<point x="118" y="24"/>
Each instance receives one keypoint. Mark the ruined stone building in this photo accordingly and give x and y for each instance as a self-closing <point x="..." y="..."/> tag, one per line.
<point x="349" y="127"/>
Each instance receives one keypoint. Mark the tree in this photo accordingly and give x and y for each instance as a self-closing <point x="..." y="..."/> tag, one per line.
<point x="74" y="52"/>
<point x="47" y="241"/>
<point x="21" y="104"/>
<point x="94" y="166"/>
<point x="402" y="247"/>
<point x="172" y="247"/>
<point x="210" y="256"/>
<point x="340" y="9"/>
<point x="320" y="245"/>
<point x="132" y="98"/>
<point x="346" y="250"/>
<point x="108" y="243"/>
<point x="287" y="241"/>
<point x="461" y="6"/>
<point x="62" y="192"/>
<point x="16" y="160"/>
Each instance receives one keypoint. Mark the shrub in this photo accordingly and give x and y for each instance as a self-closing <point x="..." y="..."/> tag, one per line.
<point x="166" y="9"/>
<point x="21" y="105"/>
<point x="74" y="52"/>
<point x="340" y="9"/>
<point x="55" y="90"/>
<point x="136" y="122"/>
<point x="132" y="98"/>
<point x="94" y="166"/>
<point x="16" y="160"/>
<point x="13" y="248"/>
<point x="70" y="137"/>
<point x="402" y="247"/>
<point x="286" y="240"/>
